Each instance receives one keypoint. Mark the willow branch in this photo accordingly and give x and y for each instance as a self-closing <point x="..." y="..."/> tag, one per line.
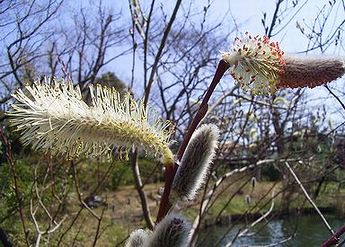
<point x="171" y="171"/>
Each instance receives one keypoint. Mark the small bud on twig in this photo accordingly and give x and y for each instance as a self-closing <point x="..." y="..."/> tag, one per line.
<point x="248" y="199"/>
<point x="253" y="182"/>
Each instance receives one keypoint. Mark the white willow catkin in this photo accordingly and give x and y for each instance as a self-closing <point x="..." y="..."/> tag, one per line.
<point x="52" y="116"/>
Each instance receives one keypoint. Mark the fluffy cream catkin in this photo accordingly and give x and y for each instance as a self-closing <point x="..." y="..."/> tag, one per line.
<point x="52" y="116"/>
<point x="195" y="162"/>
<point x="255" y="63"/>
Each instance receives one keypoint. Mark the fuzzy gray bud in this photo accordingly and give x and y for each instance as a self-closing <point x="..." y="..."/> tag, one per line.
<point x="137" y="238"/>
<point x="248" y="199"/>
<point x="172" y="231"/>
<point x="253" y="182"/>
<point x="195" y="162"/>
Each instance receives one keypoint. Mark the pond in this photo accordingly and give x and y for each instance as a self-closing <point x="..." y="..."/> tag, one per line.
<point x="310" y="231"/>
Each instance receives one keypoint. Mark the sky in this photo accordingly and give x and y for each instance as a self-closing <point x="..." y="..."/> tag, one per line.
<point x="248" y="15"/>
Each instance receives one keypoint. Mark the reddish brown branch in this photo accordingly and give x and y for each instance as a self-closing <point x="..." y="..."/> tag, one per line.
<point x="221" y="69"/>
<point x="171" y="170"/>
<point x="334" y="239"/>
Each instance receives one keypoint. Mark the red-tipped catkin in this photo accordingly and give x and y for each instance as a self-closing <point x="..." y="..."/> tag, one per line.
<point x="259" y="66"/>
<point x="310" y="72"/>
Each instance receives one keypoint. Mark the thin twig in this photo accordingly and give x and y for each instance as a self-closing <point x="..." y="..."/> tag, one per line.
<point x="78" y="192"/>
<point x="39" y="232"/>
<point x="335" y="96"/>
<point x="139" y="187"/>
<point x="243" y="233"/>
<point x="70" y="226"/>
<point x="309" y="198"/>
<point x="274" y="18"/>
<point x="11" y="162"/>
<point x="264" y="216"/>
<point x="274" y="244"/>
<point x="205" y="203"/>
<point x="160" y="51"/>
<point x="98" y="227"/>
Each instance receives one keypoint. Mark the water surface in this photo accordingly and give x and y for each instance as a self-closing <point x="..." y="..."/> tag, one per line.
<point x="309" y="231"/>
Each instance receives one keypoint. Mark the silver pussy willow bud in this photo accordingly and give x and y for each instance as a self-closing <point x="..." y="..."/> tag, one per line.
<point x="137" y="238"/>
<point x="195" y="162"/>
<point x="248" y="199"/>
<point x="172" y="231"/>
<point x="253" y="182"/>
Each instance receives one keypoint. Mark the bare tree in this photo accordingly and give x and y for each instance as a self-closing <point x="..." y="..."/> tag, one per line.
<point x="173" y="54"/>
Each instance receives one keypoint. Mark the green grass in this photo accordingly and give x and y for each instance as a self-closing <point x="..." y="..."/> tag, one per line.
<point x="117" y="188"/>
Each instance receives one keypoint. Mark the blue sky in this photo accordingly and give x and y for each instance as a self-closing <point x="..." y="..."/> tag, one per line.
<point x="248" y="15"/>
